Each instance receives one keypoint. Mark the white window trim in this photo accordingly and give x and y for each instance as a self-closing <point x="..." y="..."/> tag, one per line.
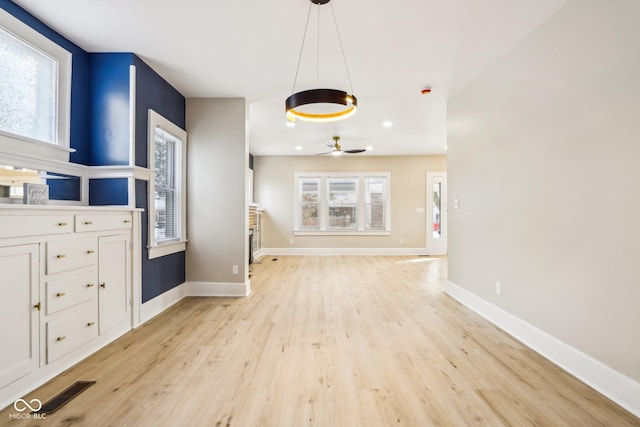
<point x="361" y="209"/>
<point x="161" y="249"/>
<point x="27" y="147"/>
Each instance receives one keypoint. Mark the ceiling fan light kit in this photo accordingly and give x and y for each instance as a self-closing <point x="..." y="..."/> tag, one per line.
<point x="337" y="148"/>
<point x="334" y="104"/>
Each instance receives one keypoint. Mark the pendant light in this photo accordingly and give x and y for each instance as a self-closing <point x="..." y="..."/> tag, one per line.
<point x="321" y="105"/>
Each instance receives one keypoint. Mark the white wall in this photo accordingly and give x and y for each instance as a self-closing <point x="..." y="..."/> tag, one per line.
<point x="544" y="154"/>
<point x="217" y="223"/>
<point x="274" y="190"/>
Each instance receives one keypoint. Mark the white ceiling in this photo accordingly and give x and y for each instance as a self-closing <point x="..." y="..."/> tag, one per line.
<point x="249" y="48"/>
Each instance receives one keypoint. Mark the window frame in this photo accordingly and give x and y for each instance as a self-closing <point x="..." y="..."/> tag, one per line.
<point x="158" y="249"/>
<point x="323" y="197"/>
<point x="25" y="146"/>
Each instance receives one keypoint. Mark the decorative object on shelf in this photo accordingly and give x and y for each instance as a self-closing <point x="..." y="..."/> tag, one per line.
<point x="321" y="105"/>
<point x="36" y="194"/>
<point x="337" y="148"/>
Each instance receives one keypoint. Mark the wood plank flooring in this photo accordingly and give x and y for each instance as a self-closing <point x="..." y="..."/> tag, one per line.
<point x="326" y="341"/>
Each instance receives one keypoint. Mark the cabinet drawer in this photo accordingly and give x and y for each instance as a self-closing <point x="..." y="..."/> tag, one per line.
<point x="70" y="332"/>
<point x="98" y="222"/>
<point x="63" y="255"/>
<point x="35" y="225"/>
<point x="72" y="290"/>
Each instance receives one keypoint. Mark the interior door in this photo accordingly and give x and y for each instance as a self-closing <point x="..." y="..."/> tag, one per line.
<point x="436" y="213"/>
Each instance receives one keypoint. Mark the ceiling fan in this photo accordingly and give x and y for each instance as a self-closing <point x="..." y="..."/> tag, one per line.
<point x="337" y="148"/>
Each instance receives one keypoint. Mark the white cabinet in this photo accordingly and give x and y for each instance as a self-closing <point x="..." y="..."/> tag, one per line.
<point x="19" y="315"/>
<point x="66" y="288"/>
<point x="114" y="272"/>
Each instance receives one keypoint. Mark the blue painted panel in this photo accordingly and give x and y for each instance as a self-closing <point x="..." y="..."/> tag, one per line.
<point x="79" y="138"/>
<point x="110" y="108"/>
<point x="109" y="191"/>
<point x="159" y="274"/>
<point x="66" y="188"/>
<point x="153" y="92"/>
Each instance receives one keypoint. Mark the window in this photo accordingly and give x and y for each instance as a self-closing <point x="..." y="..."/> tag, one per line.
<point x="35" y="89"/>
<point x="375" y="190"/>
<point x="342" y="203"/>
<point x="309" y="207"/>
<point x="167" y="145"/>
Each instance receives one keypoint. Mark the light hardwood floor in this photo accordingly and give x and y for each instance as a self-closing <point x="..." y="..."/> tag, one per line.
<point x="326" y="341"/>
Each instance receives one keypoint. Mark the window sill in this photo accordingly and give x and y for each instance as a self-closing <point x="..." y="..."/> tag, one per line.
<point x="30" y="148"/>
<point x="342" y="233"/>
<point x="167" y="249"/>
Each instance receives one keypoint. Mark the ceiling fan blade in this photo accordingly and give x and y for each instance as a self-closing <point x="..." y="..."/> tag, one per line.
<point x="328" y="152"/>
<point x="355" y="151"/>
<point x="330" y="145"/>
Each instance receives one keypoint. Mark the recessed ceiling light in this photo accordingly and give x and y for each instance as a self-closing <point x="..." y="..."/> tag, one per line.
<point x="446" y="147"/>
<point x="387" y="124"/>
<point x="291" y="125"/>
<point x="298" y="148"/>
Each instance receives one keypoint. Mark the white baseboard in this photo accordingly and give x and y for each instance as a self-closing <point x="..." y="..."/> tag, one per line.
<point x="614" y="385"/>
<point x="157" y="305"/>
<point x="343" y="251"/>
<point x="219" y="289"/>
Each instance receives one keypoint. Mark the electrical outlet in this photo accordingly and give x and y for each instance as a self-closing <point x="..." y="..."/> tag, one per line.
<point x="235" y="269"/>
<point x="291" y="241"/>
<point x="498" y="288"/>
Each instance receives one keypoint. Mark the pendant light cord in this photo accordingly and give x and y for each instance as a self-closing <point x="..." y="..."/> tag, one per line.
<point x="304" y="36"/>
<point x="344" y="58"/>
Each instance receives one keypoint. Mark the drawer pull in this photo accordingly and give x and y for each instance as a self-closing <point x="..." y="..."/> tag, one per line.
<point x="88" y="222"/>
<point x="127" y="221"/>
<point x="37" y="306"/>
<point x="60" y="294"/>
<point x="90" y="251"/>
<point x="103" y="285"/>
<point x="91" y="323"/>
<point x="61" y="338"/>
<point x="62" y="224"/>
<point x="90" y="285"/>
<point x="60" y="256"/>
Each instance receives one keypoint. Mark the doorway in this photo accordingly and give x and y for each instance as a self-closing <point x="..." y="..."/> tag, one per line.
<point x="436" y="213"/>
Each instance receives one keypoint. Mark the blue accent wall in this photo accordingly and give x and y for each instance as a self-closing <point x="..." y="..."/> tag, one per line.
<point x="159" y="274"/>
<point x="153" y="92"/>
<point x="66" y="187"/>
<point x="79" y="136"/>
<point x="108" y="191"/>
<point x="110" y="108"/>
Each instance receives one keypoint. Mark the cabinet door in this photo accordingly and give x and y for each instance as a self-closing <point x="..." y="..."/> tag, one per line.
<point x="19" y="282"/>
<point x="114" y="277"/>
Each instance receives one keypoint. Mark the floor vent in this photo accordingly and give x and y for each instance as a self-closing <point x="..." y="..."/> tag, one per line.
<point x="65" y="397"/>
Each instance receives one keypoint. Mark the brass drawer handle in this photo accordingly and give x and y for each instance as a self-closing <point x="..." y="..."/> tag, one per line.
<point x="60" y="256"/>
<point x="37" y="306"/>
<point x="91" y="323"/>
<point x="127" y="221"/>
<point x="103" y="285"/>
<point x="90" y="251"/>
<point x="60" y="294"/>
<point x="61" y="338"/>
<point x="62" y="224"/>
<point x="90" y="285"/>
<point x="88" y="222"/>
